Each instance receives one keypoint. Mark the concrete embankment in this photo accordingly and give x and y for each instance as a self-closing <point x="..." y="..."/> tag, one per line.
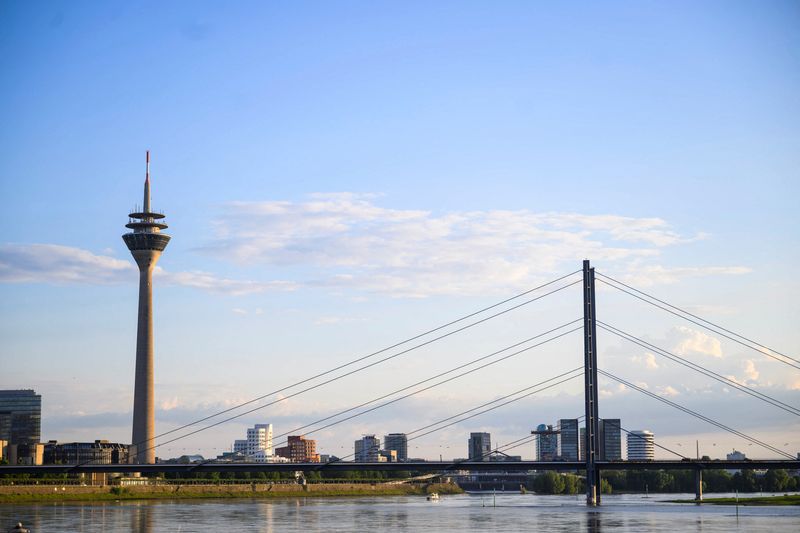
<point x="40" y="493"/>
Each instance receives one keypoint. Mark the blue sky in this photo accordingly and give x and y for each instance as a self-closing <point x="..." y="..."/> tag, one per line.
<point x="340" y="175"/>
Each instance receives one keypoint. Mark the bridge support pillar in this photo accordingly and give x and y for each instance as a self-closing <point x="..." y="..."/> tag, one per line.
<point x="592" y="442"/>
<point x="698" y="485"/>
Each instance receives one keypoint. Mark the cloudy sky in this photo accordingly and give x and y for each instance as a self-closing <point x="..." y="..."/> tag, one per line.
<point x="341" y="176"/>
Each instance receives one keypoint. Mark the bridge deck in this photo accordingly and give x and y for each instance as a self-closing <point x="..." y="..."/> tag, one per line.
<point x="428" y="466"/>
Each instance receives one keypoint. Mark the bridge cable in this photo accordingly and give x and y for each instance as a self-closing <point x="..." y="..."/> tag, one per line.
<point x="701" y="369"/>
<point x="760" y="348"/>
<point x="383" y="350"/>
<point x="326" y="382"/>
<point x="696" y="414"/>
<point x="418" y="391"/>
<point x="541" y="389"/>
<point x="435" y="384"/>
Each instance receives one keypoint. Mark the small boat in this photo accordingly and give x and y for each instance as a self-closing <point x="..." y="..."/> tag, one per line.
<point x="433" y="497"/>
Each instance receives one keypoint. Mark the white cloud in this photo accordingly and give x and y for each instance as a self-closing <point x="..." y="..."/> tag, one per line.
<point x="642" y="275"/>
<point x="63" y="265"/>
<point x="353" y="242"/>
<point x="695" y="342"/>
<point x="648" y="360"/>
<point x="668" y="390"/>
<point x="239" y="311"/>
<point x="52" y="263"/>
<point x="169" y="404"/>
<point x="348" y="241"/>
<point x="750" y="371"/>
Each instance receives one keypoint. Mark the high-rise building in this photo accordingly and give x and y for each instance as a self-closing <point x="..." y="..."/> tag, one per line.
<point x="397" y="442"/>
<point x="257" y="447"/>
<point x="610" y="440"/>
<point x="259" y="439"/>
<point x="367" y="449"/>
<point x="641" y="445"/>
<point x="568" y="439"/>
<point x="479" y="446"/>
<point x="146" y="242"/>
<point x="546" y="443"/>
<point x="582" y="444"/>
<point x="299" y="449"/>
<point x="20" y="416"/>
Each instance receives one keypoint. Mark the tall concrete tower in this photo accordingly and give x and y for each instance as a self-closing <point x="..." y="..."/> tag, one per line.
<point x="146" y="243"/>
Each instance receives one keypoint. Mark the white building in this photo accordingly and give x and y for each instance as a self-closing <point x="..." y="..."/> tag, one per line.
<point x="258" y="444"/>
<point x="735" y="456"/>
<point x="641" y="445"/>
<point x="259" y="438"/>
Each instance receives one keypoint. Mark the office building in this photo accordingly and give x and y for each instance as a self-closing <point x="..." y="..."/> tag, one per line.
<point x="257" y="447"/>
<point x="479" y="446"/>
<point x="397" y="442"/>
<point x="99" y="452"/>
<point x="240" y="446"/>
<point x="387" y="456"/>
<point x="299" y="449"/>
<point x="367" y="449"/>
<point x="259" y="439"/>
<point x="582" y="444"/>
<point x="641" y="445"/>
<point x="20" y="416"/>
<point x="546" y="443"/>
<point x="568" y="439"/>
<point x="610" y="440"/>
<point x="145" y="242"/>
<point x="25" y="454"/>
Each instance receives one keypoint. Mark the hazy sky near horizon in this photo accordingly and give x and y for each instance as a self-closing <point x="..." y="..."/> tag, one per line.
<point x="339" y="176"/>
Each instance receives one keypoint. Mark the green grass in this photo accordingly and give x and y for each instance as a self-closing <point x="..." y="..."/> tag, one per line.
<point x="189" y="492"/>
<point x="786" y="499"/>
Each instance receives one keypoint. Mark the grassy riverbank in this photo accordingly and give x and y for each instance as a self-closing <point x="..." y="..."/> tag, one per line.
<point x="21" y="494"/>
<point x="787" y="499"/>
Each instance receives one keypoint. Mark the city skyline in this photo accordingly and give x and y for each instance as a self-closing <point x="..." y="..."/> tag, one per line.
<point x="326" y="211"/>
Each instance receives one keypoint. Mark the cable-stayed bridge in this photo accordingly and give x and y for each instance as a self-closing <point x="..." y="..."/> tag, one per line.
<point x="589" y="371"/>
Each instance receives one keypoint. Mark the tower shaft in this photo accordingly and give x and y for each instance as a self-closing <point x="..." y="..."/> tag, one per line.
<point x="144" y="393"/>
<point x="146" y="242"/>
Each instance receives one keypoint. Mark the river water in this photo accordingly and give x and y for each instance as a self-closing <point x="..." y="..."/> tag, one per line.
<point x="452" y="514"/>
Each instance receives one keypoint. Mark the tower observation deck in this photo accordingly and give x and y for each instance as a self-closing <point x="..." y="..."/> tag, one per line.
<point x="146" y="242"/>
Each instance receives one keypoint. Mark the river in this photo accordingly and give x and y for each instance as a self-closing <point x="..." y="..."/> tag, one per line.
<point x="451" y="514"/>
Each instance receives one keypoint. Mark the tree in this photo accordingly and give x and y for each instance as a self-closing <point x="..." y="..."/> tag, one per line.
<point x="717" y="480"/>
<point x="549" y="483"/>
<point x="776" y="480"/>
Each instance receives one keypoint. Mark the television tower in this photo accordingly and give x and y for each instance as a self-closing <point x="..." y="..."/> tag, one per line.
<point x="146" y="243"/>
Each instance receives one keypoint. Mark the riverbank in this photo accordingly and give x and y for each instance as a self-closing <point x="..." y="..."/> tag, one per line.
<point x="786" y="499"/>
<point x="39" y="494"/>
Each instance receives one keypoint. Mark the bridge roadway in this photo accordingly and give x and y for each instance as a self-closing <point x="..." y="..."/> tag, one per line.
<point x="427" y="466"/>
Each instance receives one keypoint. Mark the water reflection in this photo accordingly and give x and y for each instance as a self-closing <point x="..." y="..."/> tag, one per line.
<point x="453" y="514"/>
<point x="594" y="522"/>
<point x="141" y="518"/>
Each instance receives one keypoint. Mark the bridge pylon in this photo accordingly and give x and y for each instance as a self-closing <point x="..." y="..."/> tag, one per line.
<point x="590" y="386"/>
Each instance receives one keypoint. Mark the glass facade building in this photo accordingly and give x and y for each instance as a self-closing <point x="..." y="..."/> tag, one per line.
<point x="480" y="446"/>
<point x="568" y="438"/>
<point x="20" y="416"/>
<point x="610" y="440"/>
<point x="397" y="442"/>
<point x="546" y="443"/>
